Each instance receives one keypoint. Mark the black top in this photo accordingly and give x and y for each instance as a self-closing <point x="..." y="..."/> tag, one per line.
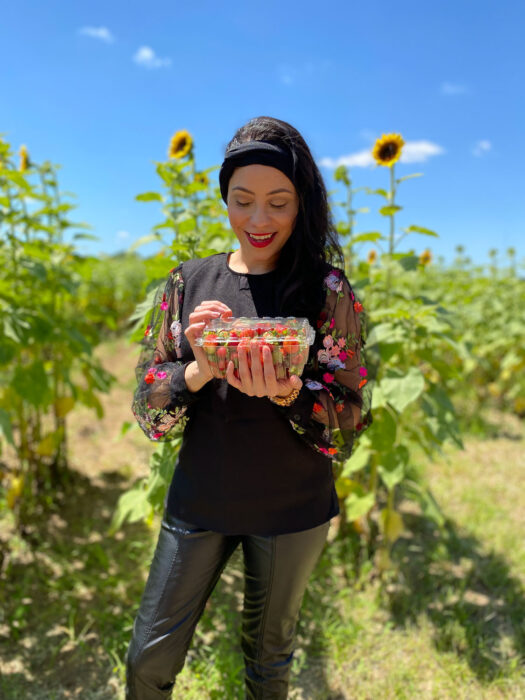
<point x="241" y="468"/>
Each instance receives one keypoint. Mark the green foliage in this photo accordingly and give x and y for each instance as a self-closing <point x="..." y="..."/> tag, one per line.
<point x="412" y="345"/>
<point x="194" y="224"/>
<point x="421" y="343"/>
<point x="47" y="344"/>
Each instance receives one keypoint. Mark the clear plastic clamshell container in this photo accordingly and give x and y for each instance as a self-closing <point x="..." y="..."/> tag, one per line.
<point x="288" y="338"/>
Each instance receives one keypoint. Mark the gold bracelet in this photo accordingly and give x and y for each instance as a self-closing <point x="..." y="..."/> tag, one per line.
<point x="285" y="400"/>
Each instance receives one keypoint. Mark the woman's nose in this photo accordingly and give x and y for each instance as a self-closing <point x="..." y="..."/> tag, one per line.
<point x="259" y="217"/>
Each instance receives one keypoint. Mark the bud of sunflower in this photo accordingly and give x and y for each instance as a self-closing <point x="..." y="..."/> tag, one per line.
<point x="180" y="144"/>
<point x="387" y="149"/>
<point x="341" y="174"/>
<point x="24" y="158"/>
<point x="425" y="258"/>
<point x="201" y="179"/>
<point x="372" y="257"/>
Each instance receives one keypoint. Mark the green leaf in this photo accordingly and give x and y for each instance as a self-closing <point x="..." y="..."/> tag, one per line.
<point x="143" y="240"/>
<point x="390" y="210"/>
<point x="369" y="236"/>
<point x="85" y="237"/>
<point x="359" y="458"/>
<point x="30" y="381"/>
<point x="392" y="465"/>
<point x="386" y="333"/>
<point x="381" y="192"/>
<point x="186" y="225"/>
<point x="126" y="426"/>
<point x="382" y="432"/>
<point x="132" y="506"/>
<point x="5" y="426"/>
<point x="408" y="262"/>
<point x="420" y="229"/>
<point x="400" y="391"/>
<point x="406" y="177"/>
<point x="358" y="505"/>
<point x="390" y="524"/>
<point x="149" y="197"/>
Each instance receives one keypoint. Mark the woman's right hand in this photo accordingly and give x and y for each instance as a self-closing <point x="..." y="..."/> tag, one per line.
<point x="202" y="314"/>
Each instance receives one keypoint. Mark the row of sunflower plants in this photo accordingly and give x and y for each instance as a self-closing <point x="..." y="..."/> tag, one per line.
<point x="489" y="305"/>
<point x="46" y="352"/>
<point x="193" y="225"/>
<point x="417" y="360"/>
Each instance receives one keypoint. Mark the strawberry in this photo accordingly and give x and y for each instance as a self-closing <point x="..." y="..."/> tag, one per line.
<point x="222" y="354"/>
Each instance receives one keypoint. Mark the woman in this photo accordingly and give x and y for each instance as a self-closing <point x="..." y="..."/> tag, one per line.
<point x="255" y="464"/>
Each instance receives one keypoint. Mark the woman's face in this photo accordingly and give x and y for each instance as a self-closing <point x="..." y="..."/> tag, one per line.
<point x="262" y="202"/>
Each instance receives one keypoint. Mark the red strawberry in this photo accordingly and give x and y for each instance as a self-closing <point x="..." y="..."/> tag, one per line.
<point x="222" y="355"/>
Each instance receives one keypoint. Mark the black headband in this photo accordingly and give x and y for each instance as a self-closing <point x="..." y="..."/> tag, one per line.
<point x="252" y="152"/>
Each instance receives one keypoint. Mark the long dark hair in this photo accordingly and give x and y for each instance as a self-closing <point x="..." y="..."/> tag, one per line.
<point x="313" y="245"/>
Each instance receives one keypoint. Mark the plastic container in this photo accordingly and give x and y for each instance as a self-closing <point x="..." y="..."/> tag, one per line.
<point x="289" y="339"/>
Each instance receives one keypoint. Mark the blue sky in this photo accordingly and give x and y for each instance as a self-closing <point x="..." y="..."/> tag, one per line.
<point x="100" y="87"/>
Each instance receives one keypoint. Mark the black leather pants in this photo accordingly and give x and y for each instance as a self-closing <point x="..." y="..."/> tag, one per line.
<point x="186" y="566"/>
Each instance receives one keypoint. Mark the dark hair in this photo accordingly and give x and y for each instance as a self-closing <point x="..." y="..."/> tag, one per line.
<point x="313" y="245"/>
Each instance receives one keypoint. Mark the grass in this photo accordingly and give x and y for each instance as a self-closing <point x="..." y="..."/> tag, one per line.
<point x="448" y="623"/>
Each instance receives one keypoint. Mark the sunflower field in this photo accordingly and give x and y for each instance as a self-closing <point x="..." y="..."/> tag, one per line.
<point x="441" y="340"/>
<point x="446" y="344"/>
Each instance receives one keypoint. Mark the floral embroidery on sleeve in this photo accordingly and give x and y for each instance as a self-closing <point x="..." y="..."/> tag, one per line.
<point x="161" y="399"/>
<point x="336" y="373"/>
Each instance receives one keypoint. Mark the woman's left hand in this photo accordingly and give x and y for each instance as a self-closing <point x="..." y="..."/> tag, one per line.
<point x="260" y="380"/>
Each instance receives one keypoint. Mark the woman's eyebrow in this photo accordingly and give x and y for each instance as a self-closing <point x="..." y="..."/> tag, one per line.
<point x="281" y="189"/>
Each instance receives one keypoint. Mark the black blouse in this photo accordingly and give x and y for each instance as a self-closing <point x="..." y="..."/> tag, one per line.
<point x="245" y="465"/>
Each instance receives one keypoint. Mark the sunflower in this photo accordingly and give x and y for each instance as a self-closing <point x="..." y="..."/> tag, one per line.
<point x="372" y="257"/>
<point x="426" y="257"/>
<point x="202" y="179"/>
<point x="180" y="144"/>
<point x="24" y="158"/>
<point x="387" y="149"/>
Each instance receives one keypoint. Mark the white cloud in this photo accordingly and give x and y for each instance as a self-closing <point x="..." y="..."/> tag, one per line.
<point x="289" y="74"/>
<point x="101" y="33"/>
<point x="452" y="89"/>
<point x="146" y="57"/>
<point x="413" y="152"/>
<point x="367" y="135"/>
<point x="122" y="234"/>
<point x="481" y="147"/>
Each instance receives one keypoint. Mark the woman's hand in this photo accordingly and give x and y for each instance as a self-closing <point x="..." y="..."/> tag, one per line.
<point x="260" y="380"/>
<point x="202" y="314"/>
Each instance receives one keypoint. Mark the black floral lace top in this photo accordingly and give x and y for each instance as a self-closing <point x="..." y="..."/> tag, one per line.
<point x="335" y="399"/>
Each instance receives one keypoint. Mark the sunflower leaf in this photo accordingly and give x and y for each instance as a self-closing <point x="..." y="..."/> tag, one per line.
<point x="149" y="197"/>
<point x="390" y="210"/>
<point x="405" y="177"/>
<point x="420" y="229"/>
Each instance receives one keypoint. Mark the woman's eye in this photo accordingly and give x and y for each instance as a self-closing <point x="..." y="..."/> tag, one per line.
<point x="247" y="204"/>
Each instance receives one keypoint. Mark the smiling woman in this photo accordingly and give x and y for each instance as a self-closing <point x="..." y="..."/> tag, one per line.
<point x="262" y="213"/>
<point x="255" y="464"/>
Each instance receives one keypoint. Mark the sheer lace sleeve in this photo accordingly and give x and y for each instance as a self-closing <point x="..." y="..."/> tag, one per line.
<point x="162" y="398"/>
<point x="334" y="404"/>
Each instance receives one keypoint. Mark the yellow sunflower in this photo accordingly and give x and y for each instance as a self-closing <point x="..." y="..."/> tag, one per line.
<point x="202" y="179"/>
<point x="24" y="158"/>
<point x="180" y="144"/>
<point x="425" y="258"/>
<point x="372" y="257"/>
<point x="387" y="149"/>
